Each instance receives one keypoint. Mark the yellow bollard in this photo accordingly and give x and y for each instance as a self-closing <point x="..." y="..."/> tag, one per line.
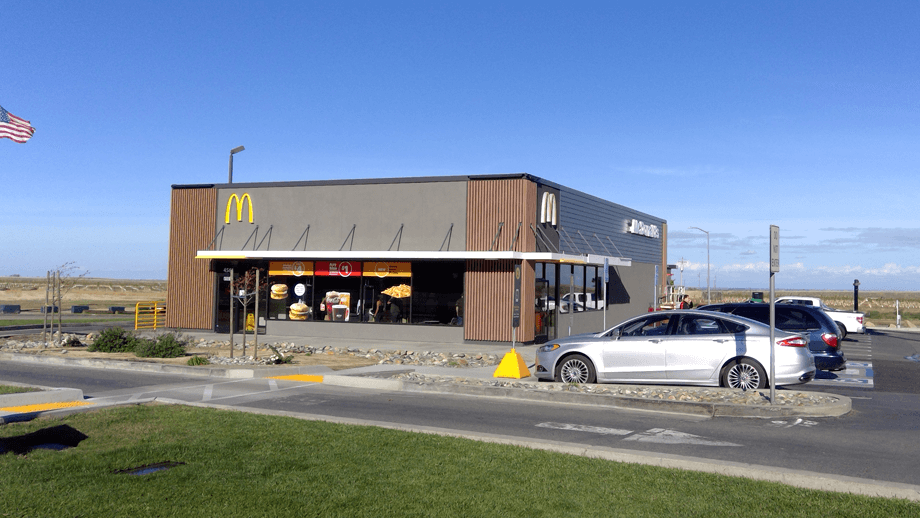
<point x="512" y="366"/>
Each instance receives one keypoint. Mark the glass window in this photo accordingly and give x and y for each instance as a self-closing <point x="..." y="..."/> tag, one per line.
<point x="591" y="287"/>
<point x="654" y="325"/>
<point x="705" y="325"/>
<point x="290" y="290"/>
<point x="290" y="298"/>
<point x="790" y="319"/>
<point x="437" y="293"/>
<point x="337" y="291"/>
<point x="386" y="292"/>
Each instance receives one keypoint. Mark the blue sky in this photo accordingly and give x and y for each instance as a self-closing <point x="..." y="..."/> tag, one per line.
<point x="728" y="116"/>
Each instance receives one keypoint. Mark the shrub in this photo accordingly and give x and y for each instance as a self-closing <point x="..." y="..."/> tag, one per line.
<point x="198" y="360"/>
<point x="113" y="340"/>
<point x="168" y="345"/>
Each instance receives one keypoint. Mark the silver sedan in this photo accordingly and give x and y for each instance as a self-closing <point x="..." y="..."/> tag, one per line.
<point x="684" y="347"/>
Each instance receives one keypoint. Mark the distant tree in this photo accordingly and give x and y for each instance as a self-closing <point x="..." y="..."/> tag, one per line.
<point x="60" y="281"/>
<point x="245" y="289"/>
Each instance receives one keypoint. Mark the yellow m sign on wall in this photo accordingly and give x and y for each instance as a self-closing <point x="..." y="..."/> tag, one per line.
<point x="239" y="202"/>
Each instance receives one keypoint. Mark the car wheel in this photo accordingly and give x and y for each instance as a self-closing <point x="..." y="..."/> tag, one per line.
<point x="843" y="330"/>
<point x="744" y="374"/>
<point x="575" y="369"/>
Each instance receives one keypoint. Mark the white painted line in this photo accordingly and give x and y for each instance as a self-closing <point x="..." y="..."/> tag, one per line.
<point x="797" y="422"/>
<point x="654" y="435"/>
<point x="662" y="436"/>
<point x="272" y="385"/>
<point x="584" y="428"/>
<point x="208" y="391"/>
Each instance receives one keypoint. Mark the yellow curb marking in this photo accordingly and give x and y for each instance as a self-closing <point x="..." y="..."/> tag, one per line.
<point x="43" y="406"/>
<point x="313" y="378"/>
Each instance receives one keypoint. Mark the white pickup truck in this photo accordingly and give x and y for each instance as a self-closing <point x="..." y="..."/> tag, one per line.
<point x="580" y="301"/>
<point x="847" y="321"/>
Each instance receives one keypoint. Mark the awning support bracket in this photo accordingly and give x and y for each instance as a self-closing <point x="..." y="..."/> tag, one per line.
<point x="351" y="235"/>
<point x="569" y="239"/>
<point x="267" y="235"/>
<point x="252" y="237"/>
<point x="614" y="246"/>
<point x="219" y="234"/>
<point x="305" y="236"/>
<point x="447" y="239"/>
<point x="398" y="236"/>
<point x="497" y="233"/>
<point x="602" y="244"/>
<point x="516" y="234"/>
<point x="586" y="241"/>
<point x="538" y="233"/>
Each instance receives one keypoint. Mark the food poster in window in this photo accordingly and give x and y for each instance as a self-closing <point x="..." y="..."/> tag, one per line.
<point x="290" y="286"/>
<point x="338" y="283"/>
<point x="388" y="290"/>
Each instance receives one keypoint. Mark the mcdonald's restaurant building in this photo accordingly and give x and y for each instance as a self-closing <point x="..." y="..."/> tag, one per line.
<point x="446" y="259"/>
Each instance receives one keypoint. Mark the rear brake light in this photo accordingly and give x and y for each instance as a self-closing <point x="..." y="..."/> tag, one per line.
<point x="859" y="319"/>
<point x="797" y="341"/>
<point x="830" y="339"/>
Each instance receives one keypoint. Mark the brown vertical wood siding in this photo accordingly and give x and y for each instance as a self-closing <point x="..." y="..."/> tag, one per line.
<point x="190" y="286"/>
<point x="489" y="284"/>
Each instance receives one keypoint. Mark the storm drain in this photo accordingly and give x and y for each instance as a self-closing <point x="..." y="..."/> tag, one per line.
<point x="148" y="468"/>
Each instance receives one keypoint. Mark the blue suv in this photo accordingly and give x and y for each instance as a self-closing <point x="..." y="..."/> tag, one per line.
<point x="821" y="329"/>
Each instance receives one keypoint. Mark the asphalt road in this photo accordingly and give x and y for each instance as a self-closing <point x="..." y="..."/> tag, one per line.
<point x="877" y="440"/>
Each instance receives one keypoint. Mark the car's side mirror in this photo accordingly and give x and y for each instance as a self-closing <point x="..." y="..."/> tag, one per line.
<point x="615" y="334"/>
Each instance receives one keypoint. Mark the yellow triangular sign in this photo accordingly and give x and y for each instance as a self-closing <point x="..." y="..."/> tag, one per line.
<point x="512" y="366"/>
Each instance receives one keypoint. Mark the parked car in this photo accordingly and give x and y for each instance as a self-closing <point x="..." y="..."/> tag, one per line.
<point x="686" y="347"/>
<point x="847" y="321"/>
<point x="822" y="331"/>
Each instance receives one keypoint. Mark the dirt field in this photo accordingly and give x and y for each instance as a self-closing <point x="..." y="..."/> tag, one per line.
<point x="30" y="292"/>
<point x="99" y="294"/>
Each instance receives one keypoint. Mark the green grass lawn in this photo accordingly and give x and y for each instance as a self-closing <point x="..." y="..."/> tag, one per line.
<point x="8" y="389"/>
<point x="246" y="465"/>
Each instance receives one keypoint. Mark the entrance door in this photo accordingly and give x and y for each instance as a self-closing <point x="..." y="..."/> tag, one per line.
<point x="222" y="318"/>
<point x="541" y="311"/>
<point x="545" y="293"/>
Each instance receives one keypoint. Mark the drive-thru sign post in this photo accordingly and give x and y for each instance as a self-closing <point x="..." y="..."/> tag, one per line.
<point x="513" y="365"/>
<point x="774" y="268"/>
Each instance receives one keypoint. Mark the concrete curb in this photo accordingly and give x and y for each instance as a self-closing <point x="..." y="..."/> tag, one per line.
<point x="45" y="395"/>
<point x="843" y="405"/>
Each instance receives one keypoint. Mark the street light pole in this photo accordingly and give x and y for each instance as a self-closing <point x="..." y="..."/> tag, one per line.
<point x="233" y="152"/>
<point x="708" y="290"/>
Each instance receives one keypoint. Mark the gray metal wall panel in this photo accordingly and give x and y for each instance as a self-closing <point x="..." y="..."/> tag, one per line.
<point x="376" y="211"/>
<point x="591" y="215"/>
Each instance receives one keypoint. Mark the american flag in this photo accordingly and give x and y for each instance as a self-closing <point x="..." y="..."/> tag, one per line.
<point x="14" y="128"/>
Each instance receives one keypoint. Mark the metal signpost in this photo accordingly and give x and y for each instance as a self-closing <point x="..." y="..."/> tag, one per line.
<point x="606" y="280"/>
<point x="774" y="268"/>
<point x="516" y="304"/>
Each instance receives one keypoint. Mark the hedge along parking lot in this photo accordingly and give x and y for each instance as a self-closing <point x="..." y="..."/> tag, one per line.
<point x="227" y="463"/>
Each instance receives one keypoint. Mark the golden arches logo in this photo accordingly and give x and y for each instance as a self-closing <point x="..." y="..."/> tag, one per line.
<point x="548" y="209"/>
<point x="245" y="199"/>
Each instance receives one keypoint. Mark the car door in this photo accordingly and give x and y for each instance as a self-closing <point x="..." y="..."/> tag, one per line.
<point x="700" y="345"/>
<point x="638" y="353"/>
